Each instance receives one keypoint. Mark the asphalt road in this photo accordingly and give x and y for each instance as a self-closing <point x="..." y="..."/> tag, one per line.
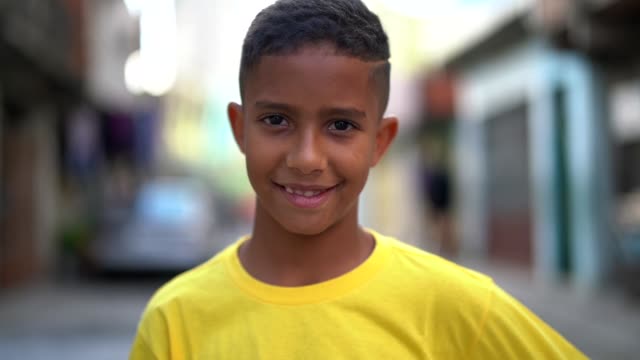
<point x="81" y="320"/>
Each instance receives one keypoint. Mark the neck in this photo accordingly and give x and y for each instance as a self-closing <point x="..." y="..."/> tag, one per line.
<point x="279" y="257"/>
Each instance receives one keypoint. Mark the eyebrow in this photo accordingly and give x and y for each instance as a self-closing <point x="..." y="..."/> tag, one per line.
<point x="350" y="112"/>
<point x="274" y="105"/>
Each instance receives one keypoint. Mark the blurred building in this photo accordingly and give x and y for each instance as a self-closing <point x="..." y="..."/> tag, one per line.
<point x="604" y="33"/>
<point x="70" y="130"/>
<point x="42" y="66"/>
<point x="545" y="137"/>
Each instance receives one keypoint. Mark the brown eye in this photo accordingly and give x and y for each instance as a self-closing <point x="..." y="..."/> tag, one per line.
<point x="275" y="120"/>
<point x="341" y="125"/>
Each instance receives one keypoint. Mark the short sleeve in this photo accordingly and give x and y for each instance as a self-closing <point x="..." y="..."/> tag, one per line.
<point x="511" y="331"/>
<point x="151" y="340"/>
<point x="140" y="349"/>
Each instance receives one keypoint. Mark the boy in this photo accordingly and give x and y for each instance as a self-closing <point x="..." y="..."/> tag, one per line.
<point x="309" y="283"/>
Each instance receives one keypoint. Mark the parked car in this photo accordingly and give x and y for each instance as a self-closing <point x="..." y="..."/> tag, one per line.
<point x="168" y="228"/>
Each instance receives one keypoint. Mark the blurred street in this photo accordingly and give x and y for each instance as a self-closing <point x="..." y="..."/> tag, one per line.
<point x="97" y="320"/>
<point x="602" y="325"/>
<point x="519" y="143"/>
<point x="72" y="321"/>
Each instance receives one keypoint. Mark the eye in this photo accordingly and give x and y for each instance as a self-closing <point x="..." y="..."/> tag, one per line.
<point x="342" y="125"/>
<point x="275" y="120"/>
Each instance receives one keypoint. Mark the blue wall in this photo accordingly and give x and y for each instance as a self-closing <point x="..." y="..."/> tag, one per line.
<point x="531" y="72"/>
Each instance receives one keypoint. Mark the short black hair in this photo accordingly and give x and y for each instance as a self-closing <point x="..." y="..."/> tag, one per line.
<point x="288" y="25"/>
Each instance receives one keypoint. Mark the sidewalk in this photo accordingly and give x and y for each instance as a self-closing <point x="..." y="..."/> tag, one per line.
<point x="604" y="325"/>
<point x="94" y="321"/>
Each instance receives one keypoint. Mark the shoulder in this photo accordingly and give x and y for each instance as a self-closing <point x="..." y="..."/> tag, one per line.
<point x="180" y="300"/>
<point x="510" y="329"/>
<point x="471" y="312"/>
<point x="435" y="272"/>
<point x="449" y="292"/>
<point x="450" y="301"/>
<point x="188" y="285"/>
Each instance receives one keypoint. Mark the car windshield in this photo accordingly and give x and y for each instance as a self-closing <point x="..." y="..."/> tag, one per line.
<point x="168" y="203"/>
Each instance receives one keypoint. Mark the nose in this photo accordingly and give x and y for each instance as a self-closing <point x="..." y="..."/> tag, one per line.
<point x="307" y="154"/>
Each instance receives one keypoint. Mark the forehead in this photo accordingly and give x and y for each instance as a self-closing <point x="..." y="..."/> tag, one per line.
<point x="313" y="77"/>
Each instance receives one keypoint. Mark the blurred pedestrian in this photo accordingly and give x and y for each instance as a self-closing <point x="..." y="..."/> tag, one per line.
<point x="437" y="193"/>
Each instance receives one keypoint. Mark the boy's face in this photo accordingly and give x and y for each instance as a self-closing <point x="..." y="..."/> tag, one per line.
<point x="310" y="129"/>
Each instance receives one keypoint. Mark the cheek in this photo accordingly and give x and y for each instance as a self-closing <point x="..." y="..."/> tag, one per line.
<point x="261" y="159"/>
<point x="363" y="154"/>
<point x="354" y="163"/>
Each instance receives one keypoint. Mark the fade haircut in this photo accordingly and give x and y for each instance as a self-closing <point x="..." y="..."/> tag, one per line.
<point x="288" y="25"/>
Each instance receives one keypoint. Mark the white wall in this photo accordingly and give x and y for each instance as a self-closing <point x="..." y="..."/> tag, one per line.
<point x="111" y="36"/>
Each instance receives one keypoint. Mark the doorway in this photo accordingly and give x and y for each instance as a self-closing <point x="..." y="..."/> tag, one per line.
<point x="509" y="210"/>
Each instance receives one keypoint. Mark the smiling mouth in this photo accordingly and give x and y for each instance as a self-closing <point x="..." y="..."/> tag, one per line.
<point x="307" y="196"/>
<point x="306" y="191"/>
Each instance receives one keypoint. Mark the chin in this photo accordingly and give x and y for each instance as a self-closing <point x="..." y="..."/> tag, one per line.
<point x="305" y="229"/>
<point x="305" y="225"/>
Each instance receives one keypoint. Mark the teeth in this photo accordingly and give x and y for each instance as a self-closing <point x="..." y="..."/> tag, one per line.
<point x="308" y="193"/>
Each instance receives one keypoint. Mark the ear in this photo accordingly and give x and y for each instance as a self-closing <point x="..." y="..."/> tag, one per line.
<point x="387" y="130"/>
<point x="236" y="119"/>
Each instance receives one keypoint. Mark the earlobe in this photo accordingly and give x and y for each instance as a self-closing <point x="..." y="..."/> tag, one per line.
<point x="236" y="119"/>
<point x="387" y="131"/>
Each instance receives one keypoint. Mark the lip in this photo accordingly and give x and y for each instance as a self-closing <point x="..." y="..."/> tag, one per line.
<point x="305" y="202"/>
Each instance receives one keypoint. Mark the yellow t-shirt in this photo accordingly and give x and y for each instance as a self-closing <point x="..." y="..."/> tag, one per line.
<point x="401" y="303"/>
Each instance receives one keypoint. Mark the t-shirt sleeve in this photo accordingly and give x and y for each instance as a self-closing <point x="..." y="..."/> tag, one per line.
<point x="151" y="340"/>
<point x="140" y="349"/>
<point x="511" y="331"/>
